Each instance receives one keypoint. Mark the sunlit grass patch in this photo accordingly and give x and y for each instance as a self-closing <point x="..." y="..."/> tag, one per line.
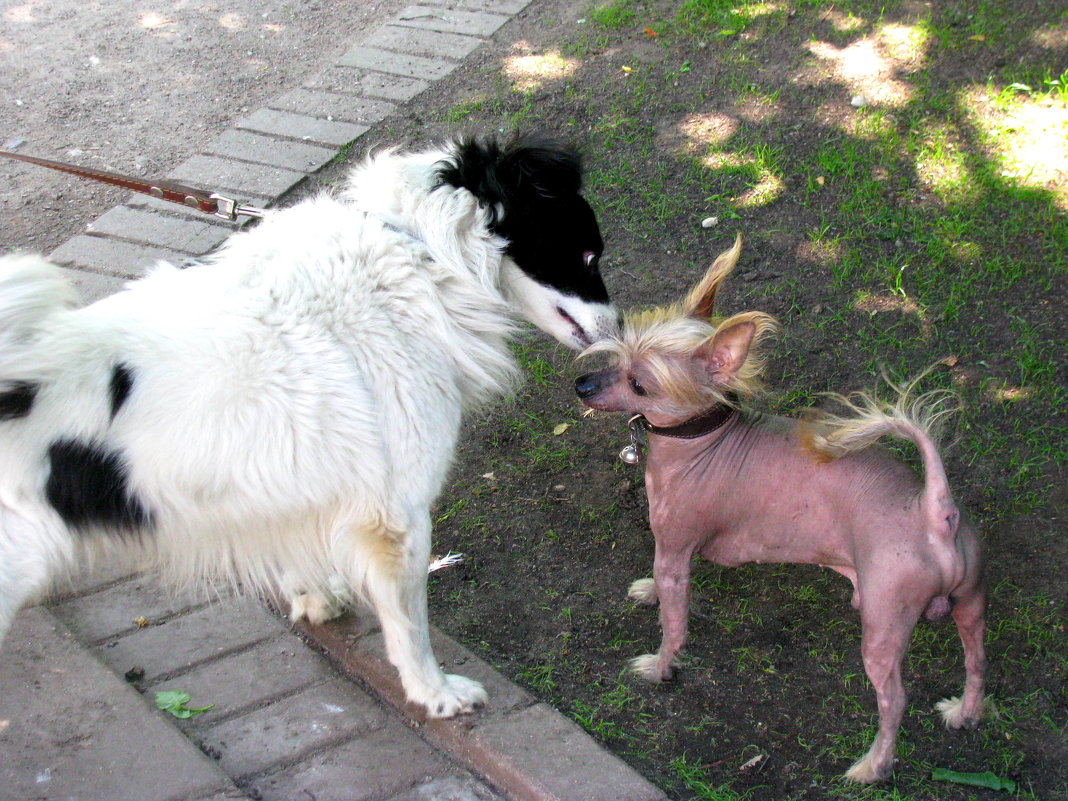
<point x="867" y="69"/>
<point x="1026" y="131"/>
<point x="711" y="129"/>
<point x="905" y="44"/>
<point x="613" y="14"/>
<point x="941" y="162"/>
<point x="529" y="71"/>
<point x="759" y="167"/>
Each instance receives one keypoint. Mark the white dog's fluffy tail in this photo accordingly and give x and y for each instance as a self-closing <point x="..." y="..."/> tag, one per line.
<point x="32" y="290"/>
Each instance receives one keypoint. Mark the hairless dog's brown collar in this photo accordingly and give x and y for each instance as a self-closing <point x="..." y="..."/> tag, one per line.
<point x="705" y="423"/>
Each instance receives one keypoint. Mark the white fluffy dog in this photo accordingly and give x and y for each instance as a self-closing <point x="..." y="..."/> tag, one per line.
<point x="285" y="411"/>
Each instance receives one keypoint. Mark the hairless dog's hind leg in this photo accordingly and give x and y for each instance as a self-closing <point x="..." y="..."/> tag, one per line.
<point x="886" y="631"/>
<point x="966" y="711"/>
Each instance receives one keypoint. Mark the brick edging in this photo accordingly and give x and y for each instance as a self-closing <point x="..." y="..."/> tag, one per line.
<point x="524" y="748"/>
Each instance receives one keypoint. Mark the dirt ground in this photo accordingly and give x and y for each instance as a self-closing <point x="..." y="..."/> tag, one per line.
<point x="772" y="700"/>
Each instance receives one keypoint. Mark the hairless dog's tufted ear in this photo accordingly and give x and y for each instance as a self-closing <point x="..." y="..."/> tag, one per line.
<point x="726" y="352"/>
<point x="702" y="298"/>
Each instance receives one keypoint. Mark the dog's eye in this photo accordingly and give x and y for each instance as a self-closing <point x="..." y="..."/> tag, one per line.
<point x="589" y="258"/>
<point x="637" y="387"/>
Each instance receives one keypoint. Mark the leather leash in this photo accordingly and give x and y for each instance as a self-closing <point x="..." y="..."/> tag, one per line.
<point x="209" y="203"/>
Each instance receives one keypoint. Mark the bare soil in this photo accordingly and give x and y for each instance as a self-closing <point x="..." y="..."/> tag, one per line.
<point x="554" y="526"/>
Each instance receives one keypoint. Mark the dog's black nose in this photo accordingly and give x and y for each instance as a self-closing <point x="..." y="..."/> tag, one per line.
<point x="587" y="386"/>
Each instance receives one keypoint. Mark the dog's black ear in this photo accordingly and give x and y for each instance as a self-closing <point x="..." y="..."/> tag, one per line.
<point x="527" y="167"/>
<point x="536" y="163"/>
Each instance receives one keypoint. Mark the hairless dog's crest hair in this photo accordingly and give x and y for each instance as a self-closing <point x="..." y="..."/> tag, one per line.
<point x="664" y="339"/>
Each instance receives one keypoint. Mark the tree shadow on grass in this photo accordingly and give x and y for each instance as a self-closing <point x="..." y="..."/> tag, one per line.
<point x="895" y="232"/>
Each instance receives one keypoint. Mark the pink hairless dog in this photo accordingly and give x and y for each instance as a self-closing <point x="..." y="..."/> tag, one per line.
<point x="736" y="486"/>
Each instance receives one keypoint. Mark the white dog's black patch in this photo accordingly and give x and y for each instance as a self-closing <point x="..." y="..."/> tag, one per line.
<point x="87" y="486"/>
<point x="120" y="386"/>
<point x="17" y="400"/>
<point x="530" y="186"/>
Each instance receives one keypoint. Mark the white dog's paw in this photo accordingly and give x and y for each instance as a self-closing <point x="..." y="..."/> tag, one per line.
<point x="313" y="606"/>
<point x="459" y="694"/>
<point x="650" y="668"/>
<point x="643" y="591"/>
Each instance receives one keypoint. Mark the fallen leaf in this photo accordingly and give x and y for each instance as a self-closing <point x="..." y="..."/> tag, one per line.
<point x="950" y="361"/>
<point x="141" y="621"/>
<point x="986" y="779"/>
<point x="174" y="701"/>
<point x="752" y="763"/>
<point x="560" y="429"/>
<point x="821" y="180"/>
<point x="651" y="32"/>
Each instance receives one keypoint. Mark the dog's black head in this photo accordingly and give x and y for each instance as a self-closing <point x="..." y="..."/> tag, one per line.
<point x="530" y="186"/>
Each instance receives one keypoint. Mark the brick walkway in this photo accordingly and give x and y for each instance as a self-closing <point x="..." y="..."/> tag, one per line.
<point x="315" y="714"/>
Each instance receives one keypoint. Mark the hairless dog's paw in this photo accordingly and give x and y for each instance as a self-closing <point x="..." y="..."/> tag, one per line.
<point x="643" y="591"/>
<point x="650" y="668"/>
<point x="954" y="716"/>
<point x="866" y="771"/>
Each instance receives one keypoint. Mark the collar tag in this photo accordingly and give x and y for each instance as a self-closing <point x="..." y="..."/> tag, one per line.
<point x="632" y="454"/>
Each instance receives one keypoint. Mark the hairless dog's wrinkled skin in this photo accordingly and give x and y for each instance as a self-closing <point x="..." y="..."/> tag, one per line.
<point x="770" y="489"/>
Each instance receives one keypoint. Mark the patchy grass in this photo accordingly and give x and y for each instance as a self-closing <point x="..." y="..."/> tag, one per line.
<point x="898" y="173"/>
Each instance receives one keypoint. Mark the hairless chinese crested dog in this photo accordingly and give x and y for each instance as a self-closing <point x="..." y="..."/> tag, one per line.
<point x="735" y="486"/>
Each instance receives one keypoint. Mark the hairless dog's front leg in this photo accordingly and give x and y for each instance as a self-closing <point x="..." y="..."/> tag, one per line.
<point x="671" y="575"/>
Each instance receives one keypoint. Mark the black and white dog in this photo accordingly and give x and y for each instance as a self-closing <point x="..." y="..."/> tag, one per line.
<point x="284" y="412"/>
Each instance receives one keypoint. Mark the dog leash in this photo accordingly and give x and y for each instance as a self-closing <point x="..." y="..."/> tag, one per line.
<point x="210" y="203"/>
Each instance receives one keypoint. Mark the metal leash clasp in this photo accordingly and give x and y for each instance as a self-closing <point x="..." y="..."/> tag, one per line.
<point x="632" y="454"/>
<point x="229" y="209"/>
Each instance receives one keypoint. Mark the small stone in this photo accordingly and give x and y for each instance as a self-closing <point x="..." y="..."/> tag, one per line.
<point x="708" y="222"/>
<point x="860" y="101"/>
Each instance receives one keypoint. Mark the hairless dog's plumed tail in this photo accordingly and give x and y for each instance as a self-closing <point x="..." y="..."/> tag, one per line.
<point x="913" y="418"/>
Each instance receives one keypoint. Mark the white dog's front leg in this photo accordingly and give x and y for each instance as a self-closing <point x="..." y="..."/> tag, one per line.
<point x="398" y="594"/>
